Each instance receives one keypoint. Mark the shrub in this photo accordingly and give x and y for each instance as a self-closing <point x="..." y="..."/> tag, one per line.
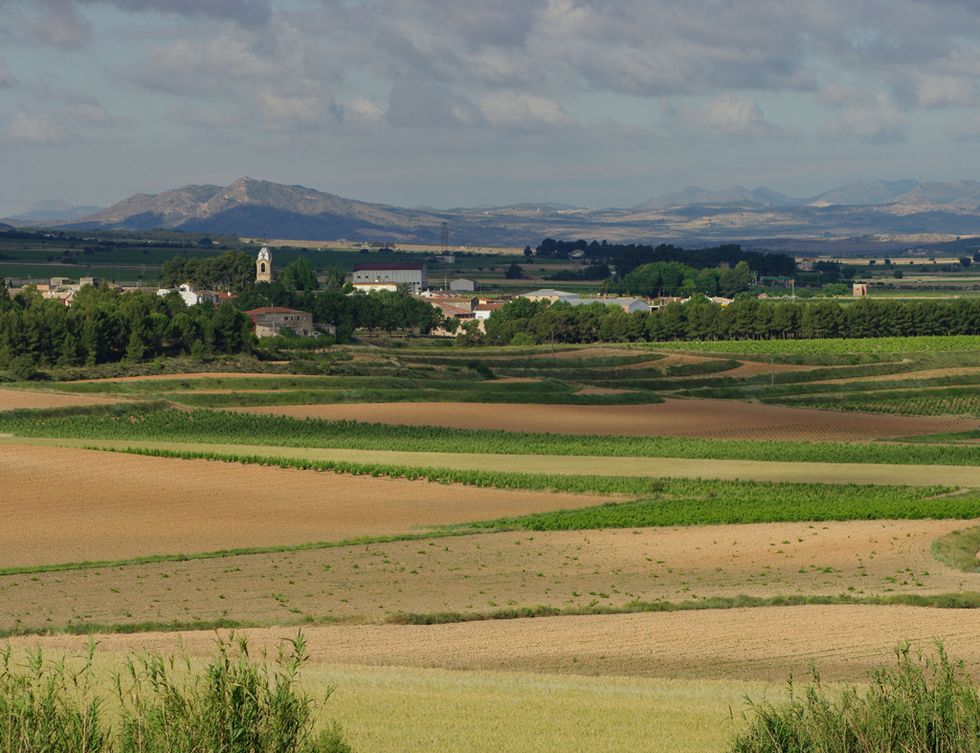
<point x="922" y="705"/>
<point x="235" y="705"/>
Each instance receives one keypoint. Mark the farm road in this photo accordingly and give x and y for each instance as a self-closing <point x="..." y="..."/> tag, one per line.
<point x="744" y="470"/>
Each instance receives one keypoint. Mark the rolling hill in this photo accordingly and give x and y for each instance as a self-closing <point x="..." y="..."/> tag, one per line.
<point x="899" y="212"/>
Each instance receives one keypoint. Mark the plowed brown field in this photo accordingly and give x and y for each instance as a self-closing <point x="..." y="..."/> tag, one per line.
<point x="64" y="505"/>
<point x="563" y="569"/>
<point x="845" y="642"/>
<point x="21" y="399"/>
<point x="722" y="419"/>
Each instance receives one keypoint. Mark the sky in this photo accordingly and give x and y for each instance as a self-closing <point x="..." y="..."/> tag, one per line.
<point x="449" y="103"/>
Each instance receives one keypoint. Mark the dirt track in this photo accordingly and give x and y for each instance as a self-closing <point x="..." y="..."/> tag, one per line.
<point x="722" y="419"/>
<point x="64" y="505"/>
<point x="563" y="569"/>
<point x="765" y="643"/>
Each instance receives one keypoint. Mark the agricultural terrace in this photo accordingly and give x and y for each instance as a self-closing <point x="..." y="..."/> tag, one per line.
<point x="686" y="522"/>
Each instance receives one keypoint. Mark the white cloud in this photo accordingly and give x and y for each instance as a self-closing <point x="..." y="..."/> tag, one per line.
<point x="521" y="112"/>
<point x="735" y="117"/>
<point x="33" y="130"/>
<point x="290" y="111"/>
<point x="867" y="116"/>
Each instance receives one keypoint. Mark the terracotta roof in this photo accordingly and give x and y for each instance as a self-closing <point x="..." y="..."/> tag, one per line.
<point x="273" y="310"/>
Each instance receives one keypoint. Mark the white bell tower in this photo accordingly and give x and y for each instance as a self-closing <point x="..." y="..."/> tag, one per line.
<point x="263" y="266"/>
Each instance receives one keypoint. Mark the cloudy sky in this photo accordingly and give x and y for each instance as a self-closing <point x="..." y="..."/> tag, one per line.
<point x="460" y="102"/>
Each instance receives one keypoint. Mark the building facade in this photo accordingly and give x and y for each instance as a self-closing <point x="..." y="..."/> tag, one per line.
<point x="270" y="321"/>
<point x="412" y="276"/>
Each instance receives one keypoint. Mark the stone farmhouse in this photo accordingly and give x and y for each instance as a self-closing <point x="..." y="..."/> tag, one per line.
<point x="270" y="321"/>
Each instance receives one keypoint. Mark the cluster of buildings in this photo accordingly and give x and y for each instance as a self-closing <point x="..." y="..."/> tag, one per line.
<point x="57" y="288"/>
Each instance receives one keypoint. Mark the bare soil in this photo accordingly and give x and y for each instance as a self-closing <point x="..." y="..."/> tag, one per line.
<point x="845" y="642"/>
<point x="720" y="419"/>
<point x="482" y="573"/>
<point x="902" y="376"/>
<point x="66" y="505"/>
<point x="29" y="399"/>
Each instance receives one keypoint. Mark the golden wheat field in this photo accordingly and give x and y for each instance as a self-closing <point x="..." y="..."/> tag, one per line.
<point x="763" y="643"/>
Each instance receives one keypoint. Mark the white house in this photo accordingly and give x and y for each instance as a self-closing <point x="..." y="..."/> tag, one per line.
<point x="190" y="296"/>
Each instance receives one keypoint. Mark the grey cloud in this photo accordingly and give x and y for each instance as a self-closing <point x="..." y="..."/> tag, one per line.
<point x="965" y="130"/>
<point x="249" y="12"/>
<point x="7" y="80"/>
<point x="420" y="104"/>
<point x="61" y="25"/>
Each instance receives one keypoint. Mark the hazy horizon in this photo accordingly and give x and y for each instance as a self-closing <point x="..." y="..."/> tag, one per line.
<point x="436" y="103"/>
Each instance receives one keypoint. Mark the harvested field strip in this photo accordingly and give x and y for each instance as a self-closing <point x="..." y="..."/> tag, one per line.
<point x="19" y="399"/>
<point x="244" y="428"/>
<point x="845" y="641"/>
<point x="846" y="388"/>
<point x="560" y="395"/>
<point x="925" y="373"/>
<point x="112" y="506"/>
<point x="492" y="576"/>
<point x="691" y="418"/>
<point x="678" y="501"/>
<point x="938" y="344"/>
<point x="967" y="477"/>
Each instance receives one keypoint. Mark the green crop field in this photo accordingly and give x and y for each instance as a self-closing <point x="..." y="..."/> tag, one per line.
<point x="133" y="423"/>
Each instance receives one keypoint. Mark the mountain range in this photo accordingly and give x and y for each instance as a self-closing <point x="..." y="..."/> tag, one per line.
<point x="903" y="211"/>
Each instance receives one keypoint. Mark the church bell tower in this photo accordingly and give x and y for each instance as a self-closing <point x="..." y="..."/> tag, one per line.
<point x="263" y="266"/>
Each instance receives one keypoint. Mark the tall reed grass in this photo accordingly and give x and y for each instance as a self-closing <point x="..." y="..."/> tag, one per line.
<point x="924" y="704"/>
<point x="237" y="704"/>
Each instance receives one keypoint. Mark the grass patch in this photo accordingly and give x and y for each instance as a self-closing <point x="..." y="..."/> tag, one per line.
<point x="830" y="346"/>
<point x="965" y="600"/>
<point x="959" y="549"/>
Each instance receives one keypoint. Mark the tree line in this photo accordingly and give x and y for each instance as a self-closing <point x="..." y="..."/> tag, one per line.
<point x="104" y="325"/>
<point x="627" y="257"/>
<point x="525" y="322"/>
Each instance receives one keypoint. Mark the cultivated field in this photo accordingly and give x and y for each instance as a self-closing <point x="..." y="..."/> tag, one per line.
<point x="566" y="465"/>
<point x="675" y="527"/>
<point x="751" y="644"/>
<point x="571" y="570"/>
<point x="29" y="399"/>
<point x="67" y="505"/>
<point x="680" y="418"/>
